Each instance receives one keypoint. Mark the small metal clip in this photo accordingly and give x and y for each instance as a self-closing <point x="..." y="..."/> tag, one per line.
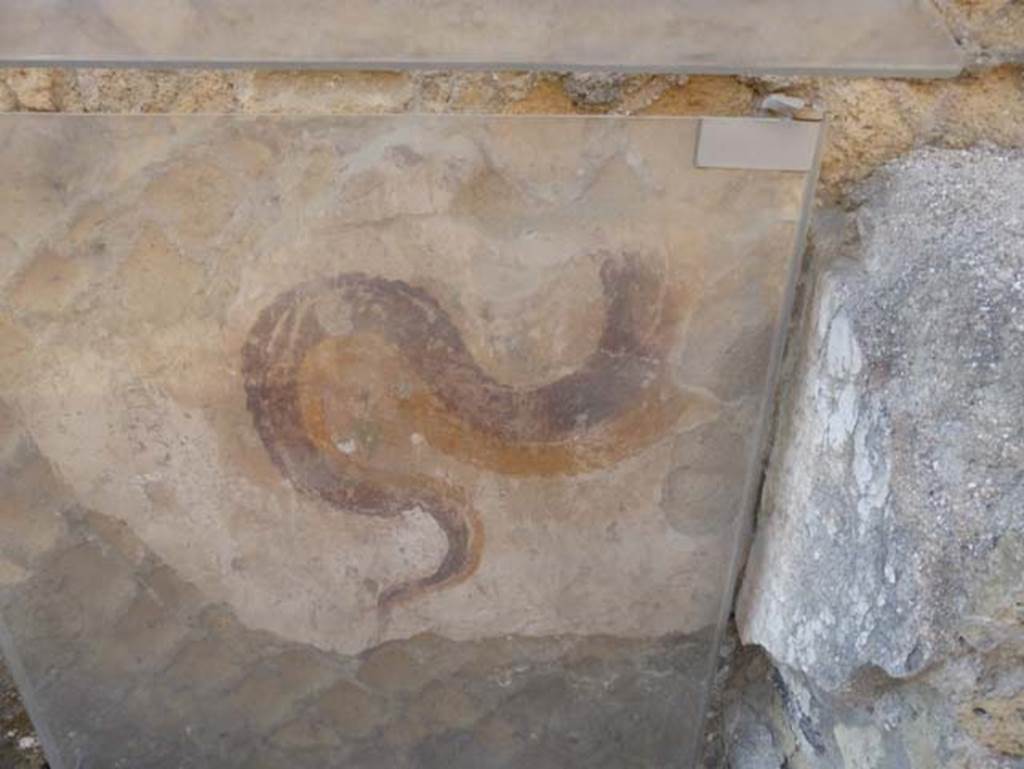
<point x="792" y="107"/>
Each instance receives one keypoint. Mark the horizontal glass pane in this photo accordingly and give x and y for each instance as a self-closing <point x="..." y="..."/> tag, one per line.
<point x="903" y="37"/>
<point x="379" y="441"/>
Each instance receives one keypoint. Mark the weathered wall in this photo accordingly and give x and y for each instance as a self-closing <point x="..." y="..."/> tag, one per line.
<point x="991" y="31"/>
<point x="885" y="579"/>
<point x="926" y="669"/>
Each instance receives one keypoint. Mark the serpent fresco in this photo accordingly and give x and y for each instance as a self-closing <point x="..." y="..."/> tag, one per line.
<point x="304" y="366"/>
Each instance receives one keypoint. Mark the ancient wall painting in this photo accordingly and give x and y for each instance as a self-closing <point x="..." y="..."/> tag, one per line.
<point x="383" y="441"/>
<point x="324" y="425"/>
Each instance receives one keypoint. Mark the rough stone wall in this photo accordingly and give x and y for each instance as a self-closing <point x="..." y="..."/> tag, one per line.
<point x="885" y="578"/>
<point x="937" y="683"/>
<point x="19" y="748"/>
<point x="990" y="30"/>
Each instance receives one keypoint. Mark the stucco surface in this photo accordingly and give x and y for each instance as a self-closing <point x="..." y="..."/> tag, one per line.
<point x="355" y="380"/>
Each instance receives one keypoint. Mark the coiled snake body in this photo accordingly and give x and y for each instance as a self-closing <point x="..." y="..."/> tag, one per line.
<point x="619" y="400"/>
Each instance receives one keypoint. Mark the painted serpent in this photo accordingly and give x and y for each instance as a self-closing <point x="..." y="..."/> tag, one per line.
<point x="312" y="339"/>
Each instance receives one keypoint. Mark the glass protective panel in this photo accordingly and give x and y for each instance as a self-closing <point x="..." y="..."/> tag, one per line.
<point x="416" y="441"/>
<point x="904" y="37"/>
